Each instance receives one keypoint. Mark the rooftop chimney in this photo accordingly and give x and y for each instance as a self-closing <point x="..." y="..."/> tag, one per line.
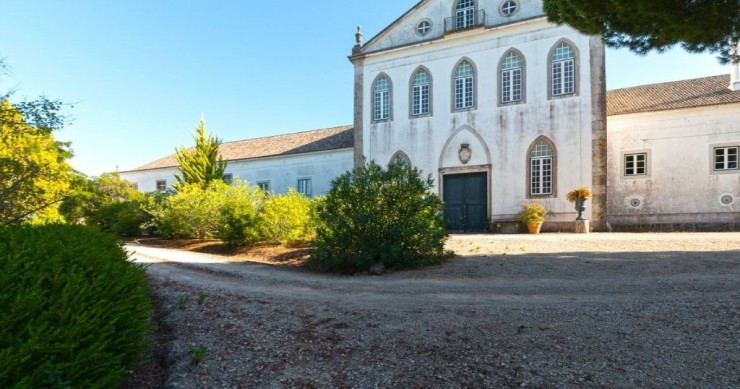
<point x="735" y="73"/>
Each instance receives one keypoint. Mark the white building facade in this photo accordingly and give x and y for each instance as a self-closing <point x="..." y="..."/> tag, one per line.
<point x="498" y="105"/>
<point x="673" y="156"/>
<point x="305" y="161"/>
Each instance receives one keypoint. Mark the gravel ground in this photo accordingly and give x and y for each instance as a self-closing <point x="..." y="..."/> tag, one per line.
<point x="554" y="310"/>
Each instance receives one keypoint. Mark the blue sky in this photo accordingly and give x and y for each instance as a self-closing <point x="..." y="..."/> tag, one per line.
<point x="142" y="73"/>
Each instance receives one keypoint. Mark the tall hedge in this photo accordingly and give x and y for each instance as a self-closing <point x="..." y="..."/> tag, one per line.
<point x="382" y="216"/>
<point x="74" y="311"/>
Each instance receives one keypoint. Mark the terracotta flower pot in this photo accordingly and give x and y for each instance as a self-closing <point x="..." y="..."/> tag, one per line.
<point x="534" y="228"/>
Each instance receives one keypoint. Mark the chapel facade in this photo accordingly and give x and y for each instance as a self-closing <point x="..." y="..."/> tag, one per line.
<point x="500" y="106"/>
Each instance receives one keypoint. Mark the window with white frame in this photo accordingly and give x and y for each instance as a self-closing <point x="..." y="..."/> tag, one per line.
<point x="464" y="86"/>
<point x="726" y="158"/>
<point x="464" y="14"/>
<point x="304" y="186"/>
<point x="541" y="169"/>
<point x="420" y="90"/>
<point x="424" y="27"/>
<point x="381" y="99"/>
<point x="161" y="185"/>
<point x="563" y="70"/>
<point x="509" y="8"/>
<point x="511" y="78"/>
<point x="228" y="178"/>
<point x="264" y="185"/>
<point x="635" y="164"/>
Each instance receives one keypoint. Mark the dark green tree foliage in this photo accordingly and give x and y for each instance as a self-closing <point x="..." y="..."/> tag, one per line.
<point x="698" y="26"/>
<point x="74" y="309"/>
<point x="372" y="215"/>
<point x="108" y="202"/>
<point x="203" y="164"/>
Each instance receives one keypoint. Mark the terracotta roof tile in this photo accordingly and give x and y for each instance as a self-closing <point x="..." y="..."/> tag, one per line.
<point x="697" y="92"/>
<point x="286" y="144"/>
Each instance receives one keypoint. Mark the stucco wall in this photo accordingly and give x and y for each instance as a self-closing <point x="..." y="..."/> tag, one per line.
<point x="681" y="186"/>
<point x="403" y="32"/>
<point x="282" y="172"/>
<point x="499" y="136"/>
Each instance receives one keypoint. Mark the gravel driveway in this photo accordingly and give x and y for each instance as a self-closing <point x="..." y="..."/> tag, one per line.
<point x="554" y="310"/>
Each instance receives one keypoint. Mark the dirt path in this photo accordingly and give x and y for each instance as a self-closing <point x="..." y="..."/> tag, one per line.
<point x="618" y="310"/>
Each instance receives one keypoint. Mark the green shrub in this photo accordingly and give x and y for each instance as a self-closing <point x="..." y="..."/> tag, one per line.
<point x="74" y="309"/>
<point x="120" y="218"/>
<point x="239" y="213"/>
<point x="373" y="215"/>
<point x="190" y="213"/>
<point x="287" y="218"/>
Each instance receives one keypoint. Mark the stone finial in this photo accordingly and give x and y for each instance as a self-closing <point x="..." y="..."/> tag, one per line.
<point x="358" y="35"/>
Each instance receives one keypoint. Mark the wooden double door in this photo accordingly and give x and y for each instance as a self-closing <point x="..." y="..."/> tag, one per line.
<point x="466" y="197"/>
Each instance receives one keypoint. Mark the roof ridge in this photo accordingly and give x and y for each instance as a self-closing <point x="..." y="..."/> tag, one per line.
<point x="347" y="126"/>
<point x="668" y="82"/>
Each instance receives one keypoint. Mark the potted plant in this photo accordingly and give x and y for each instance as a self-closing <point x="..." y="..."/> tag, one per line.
<point x="533" y="215"/>
<point x="579" y="197"/>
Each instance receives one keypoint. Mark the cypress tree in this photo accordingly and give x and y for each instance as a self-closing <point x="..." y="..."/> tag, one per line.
<point x="203" y="164"/>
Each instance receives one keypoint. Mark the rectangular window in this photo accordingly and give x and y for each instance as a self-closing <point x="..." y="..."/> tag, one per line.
<point x="228" y="178"/>
<point x="563" y="77"/>
<point x="511" y="85"/>
<point x="161" y="186"/>
<point x="726" y="158"/>
<point x="304" y="186"/>
<point x="382" y="105"/>
<point x="420" y="100"/>
<point x="541" y="179"/>
<point x="463" y="93"/>
<point x="635" y="164"/>
<point x="264" y="185"/>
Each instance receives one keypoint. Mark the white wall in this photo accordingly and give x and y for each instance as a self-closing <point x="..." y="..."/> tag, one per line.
<point x="282" y="172"/>
<point x="499" y="136"/>
<point x="681" y="185"/>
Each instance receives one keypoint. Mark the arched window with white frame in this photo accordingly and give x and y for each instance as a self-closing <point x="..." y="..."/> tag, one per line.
<point x="464" y="86"/>
<point x="542" y="168"/>
<point x="563" y="70"/>
<point x="382" y="98"/>
<point x="512" y="78"/>
<point x="464" y="14"/>
<point x="421" y="87"/>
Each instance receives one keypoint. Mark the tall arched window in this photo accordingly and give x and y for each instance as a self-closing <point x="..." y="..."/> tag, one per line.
<point x="420" y="93"/>
<point x="464" y="86"/>
<point x="381" y="98"/>
<point x="512" y="78"/>
<point x="464" y="14"/>
<point x="541" y="168"/>
<point x="563" y="70"/>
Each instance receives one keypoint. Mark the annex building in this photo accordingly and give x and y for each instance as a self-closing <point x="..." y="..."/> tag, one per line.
<point x="503" y="107"/>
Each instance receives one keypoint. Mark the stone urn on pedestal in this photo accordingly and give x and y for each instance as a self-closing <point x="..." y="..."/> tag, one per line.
<point x="579" y="197"/>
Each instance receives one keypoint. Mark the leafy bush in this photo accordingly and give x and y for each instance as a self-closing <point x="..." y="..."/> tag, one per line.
<point x="74" y="310"/>
<point x="190" y="213"/>
<point x="287" y="218"/>
<point x="372" y="216"/>
<point x="120" y="218"/>
<point x="239" y="212"/>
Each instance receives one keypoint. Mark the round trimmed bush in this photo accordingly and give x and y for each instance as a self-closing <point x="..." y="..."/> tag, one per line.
<point x="379" y="216"/>
<point x="74" y="309"/>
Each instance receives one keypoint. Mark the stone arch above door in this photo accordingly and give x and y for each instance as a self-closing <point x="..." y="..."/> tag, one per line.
<point x="465" y="147"/>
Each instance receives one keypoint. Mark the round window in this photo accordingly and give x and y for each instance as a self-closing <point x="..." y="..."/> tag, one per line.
<point x="509" y="8"/>
<point x="424" y="27"/>
<point x="726" y="199"/>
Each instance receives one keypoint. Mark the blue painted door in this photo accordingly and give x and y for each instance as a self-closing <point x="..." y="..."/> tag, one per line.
<point x="466" y="198"/>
